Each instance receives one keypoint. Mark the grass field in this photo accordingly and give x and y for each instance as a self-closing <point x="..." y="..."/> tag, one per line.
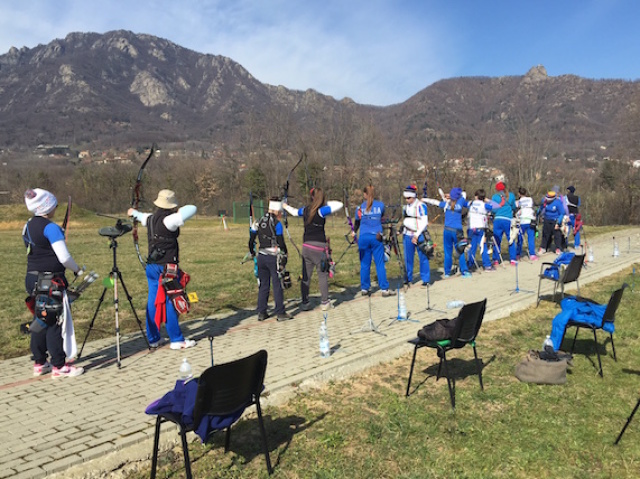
<point x="364" y="427"/>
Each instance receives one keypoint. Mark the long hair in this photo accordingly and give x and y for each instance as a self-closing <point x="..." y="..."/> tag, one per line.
<point x="318" y="200"/>
<point x="370" y="193"/>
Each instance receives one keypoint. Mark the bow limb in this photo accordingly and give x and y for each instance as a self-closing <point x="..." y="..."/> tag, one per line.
<point x="135" y="203"/>
<point x="65" y="222"/>
<point x="285" y="197"/>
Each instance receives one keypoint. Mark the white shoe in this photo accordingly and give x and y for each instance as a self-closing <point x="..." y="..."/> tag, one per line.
<point x="66" y="371"/>
<point x="187" y="343"/>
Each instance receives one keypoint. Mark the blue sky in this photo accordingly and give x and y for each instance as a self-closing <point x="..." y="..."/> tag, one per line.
<point x="377" y="52"/>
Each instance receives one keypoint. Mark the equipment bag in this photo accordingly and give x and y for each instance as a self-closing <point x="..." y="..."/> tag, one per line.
<point x="48" y="293"/>
<point x="534" y="369"/>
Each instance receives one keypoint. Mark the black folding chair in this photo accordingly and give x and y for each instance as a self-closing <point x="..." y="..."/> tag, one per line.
<point x="608" y="316"/>
<point x="566" y="275"/>
<point x="464" y="332"/>
<point x="224" y="391"/>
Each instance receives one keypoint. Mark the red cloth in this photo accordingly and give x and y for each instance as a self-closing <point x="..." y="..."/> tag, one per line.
<point x="578" y="224"/>
<point x="160" y="304"/>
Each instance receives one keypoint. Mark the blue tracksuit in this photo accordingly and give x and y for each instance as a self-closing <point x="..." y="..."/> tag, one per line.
<point x="453" y="228"/>
<point x="502" y="224"/>
<point x="369" y="246"/>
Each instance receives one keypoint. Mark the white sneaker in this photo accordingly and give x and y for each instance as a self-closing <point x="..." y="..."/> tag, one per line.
<point x="187" y="343"/>
<point x="66" y="371"/>
<point x="326" y="306"/>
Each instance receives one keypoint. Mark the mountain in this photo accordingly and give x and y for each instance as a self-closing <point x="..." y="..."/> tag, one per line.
<point x="124" y="87"/>
<point x="120" y="87"/>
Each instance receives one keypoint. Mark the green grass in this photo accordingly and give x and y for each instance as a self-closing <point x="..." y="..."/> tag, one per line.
<point x="364" y="427"/>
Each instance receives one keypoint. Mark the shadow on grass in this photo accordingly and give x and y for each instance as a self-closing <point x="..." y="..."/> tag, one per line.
<point x="245" y="438"/>
<point x="458" y="369"/>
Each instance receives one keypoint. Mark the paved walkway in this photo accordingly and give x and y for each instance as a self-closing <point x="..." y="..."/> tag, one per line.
<point x="86" y="426"/>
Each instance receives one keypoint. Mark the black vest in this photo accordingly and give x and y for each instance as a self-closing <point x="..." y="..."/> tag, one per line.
<point x="163" y="244"/>
<point x="314" y="231"/>
<point x="41" y="256"/>
<point x="572" y="203"/>
<point x="267" y="231"/>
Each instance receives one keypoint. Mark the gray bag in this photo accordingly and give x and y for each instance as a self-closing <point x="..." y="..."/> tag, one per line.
<point x="533" y="369"/>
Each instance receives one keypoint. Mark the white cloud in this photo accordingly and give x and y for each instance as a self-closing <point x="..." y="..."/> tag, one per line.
<point x="372" y="51"/>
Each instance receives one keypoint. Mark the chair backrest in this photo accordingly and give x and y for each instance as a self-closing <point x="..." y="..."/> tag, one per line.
<point x="469" y="322"/>
<point x="573" y="270"/>
<point x="610" y="313"/>
<point x="226" y="388"/>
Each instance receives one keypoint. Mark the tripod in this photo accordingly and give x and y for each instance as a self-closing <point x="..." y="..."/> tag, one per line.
<point x="429" y="308"/>
<point x="624" y="428"/>
<point x="369" y="325"/>
<point x="518" y="290"/>
<point x="115" y="276"/>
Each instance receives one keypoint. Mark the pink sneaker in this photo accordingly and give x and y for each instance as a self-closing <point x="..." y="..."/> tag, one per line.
<point x="534" y="258"/>
<point x="513" y="262"/>
<point x="40" y="369"/>
<point x="66" y="371"/>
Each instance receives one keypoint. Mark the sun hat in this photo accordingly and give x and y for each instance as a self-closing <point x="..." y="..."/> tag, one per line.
<point x="166" y="200"/>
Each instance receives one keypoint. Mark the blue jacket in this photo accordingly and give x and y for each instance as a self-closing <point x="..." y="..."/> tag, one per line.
<point x="553" y="211"/>
<point x="453" y="217"/>
<point x="370" y="221"/>
<point x="506" y="210"/>
<point x="583" y="311"/>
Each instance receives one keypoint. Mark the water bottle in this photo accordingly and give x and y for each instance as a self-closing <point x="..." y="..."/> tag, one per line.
<point x="325" y="349"/>
<point x="185" y="370"/>
<point x="616" y="249"/>
<point x="402" y="305"/>
<point x="590" y="257"/>
<point x="547" y="343"/>
<point x="456" y="303"/>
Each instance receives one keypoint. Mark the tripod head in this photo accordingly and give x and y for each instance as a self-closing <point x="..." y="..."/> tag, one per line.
<point x="121" y="227"/>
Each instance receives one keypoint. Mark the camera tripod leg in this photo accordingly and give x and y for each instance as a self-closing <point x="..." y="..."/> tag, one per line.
<point x="135" y="314"/>
<point x="95" y="314"/>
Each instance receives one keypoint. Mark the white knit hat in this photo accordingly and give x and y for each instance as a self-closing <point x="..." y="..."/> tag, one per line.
<point x="166" y="200"/>
<point x="40" y="202"/>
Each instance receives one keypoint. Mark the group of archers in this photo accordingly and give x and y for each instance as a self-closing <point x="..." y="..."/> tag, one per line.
<point x="488" y="220"/>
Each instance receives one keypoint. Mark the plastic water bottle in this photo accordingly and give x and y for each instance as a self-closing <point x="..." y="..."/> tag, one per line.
<point x="590" y="257"/>
<point x="547" y="343"/>
<point x="185" y="370"/>
<point x="325" y="349"/>
<point x="402" y="305"/>
<point x="456" y="303"/>
<point x="616" y="249"/>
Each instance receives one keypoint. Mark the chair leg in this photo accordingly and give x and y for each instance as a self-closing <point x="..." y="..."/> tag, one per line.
<point x="227" y="439"/>
<point x="538" y="300"/>
<point x="574" y="340"/>
<point x="263" y="431"/>
<point x="156" y="441"/>
<point x="595" y="342"/>
<point x="624" y="428"/>
<point x="185" y="452"/>
<point x="615" y="358"/>
<point x="475" y="353"/>
<point x="439" y="369"/>
<point x="578" y="287"/>
<point x="413" y="361"/>
<point x="450" y="382"/>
